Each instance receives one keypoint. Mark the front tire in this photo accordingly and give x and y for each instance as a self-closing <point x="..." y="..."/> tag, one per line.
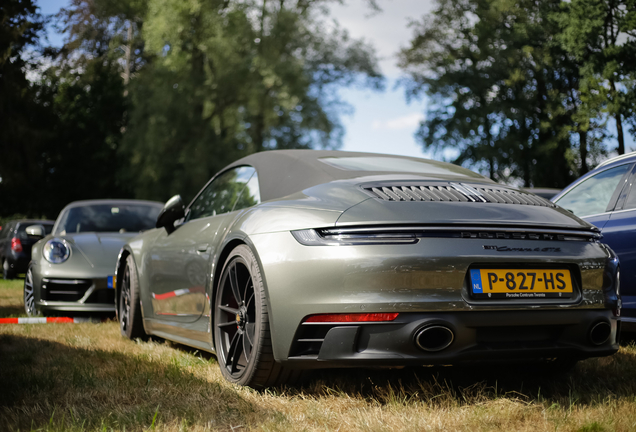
<point x="128" y="303"/>
<point x="29" y="294"/>
<point x="241" y="325"/>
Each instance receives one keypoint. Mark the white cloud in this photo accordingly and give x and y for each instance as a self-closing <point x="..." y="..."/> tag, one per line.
<point x="409" y="121"/>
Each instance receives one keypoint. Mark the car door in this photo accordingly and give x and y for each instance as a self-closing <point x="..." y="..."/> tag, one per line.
<point x="180" y="262"/>
<point x="620" y="234"/>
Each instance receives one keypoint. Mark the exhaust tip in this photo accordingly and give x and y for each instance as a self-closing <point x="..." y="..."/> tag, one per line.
<point x="600" y="333"/>
<point x="434" y="338"/>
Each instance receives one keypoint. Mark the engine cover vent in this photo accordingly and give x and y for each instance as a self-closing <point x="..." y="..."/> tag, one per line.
<point x="454" y="192"/>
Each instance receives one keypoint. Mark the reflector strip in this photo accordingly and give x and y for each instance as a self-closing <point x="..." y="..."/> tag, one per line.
<point x="178" y="293"/>
<point x="362" y="317"/>
<point x="44" y="320"/>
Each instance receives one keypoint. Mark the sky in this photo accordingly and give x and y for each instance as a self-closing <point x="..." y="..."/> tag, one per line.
<point x="380" y="122"/>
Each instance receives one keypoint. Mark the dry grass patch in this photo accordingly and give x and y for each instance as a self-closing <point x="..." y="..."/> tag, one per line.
<point x="72" y="377"/>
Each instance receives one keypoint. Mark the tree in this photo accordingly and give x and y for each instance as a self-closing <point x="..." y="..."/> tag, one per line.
<point x="20" y="136"/>
<point x="601" y="34"/>
<point x="230" y="78"/>
<point x="505" y="95"/>
<point x="64" y="126"/>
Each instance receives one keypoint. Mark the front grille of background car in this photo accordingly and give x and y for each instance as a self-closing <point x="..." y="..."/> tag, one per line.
<point x="103" y="296"/>
<point x="453" y="192"/>
<point x="73" y="290"/>
<point x="66" y="290"/>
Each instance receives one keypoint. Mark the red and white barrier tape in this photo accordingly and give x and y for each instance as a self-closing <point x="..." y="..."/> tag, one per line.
<point x="44" y="320"/>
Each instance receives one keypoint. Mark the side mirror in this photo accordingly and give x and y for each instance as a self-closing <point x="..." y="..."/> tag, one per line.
<point x="170" y="213"/>
<point x="35" y="231"/>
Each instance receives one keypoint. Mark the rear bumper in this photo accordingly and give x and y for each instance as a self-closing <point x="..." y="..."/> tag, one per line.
<point x="477" y="336"/>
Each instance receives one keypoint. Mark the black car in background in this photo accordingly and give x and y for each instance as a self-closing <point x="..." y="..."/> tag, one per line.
<point x="15" y="245"/>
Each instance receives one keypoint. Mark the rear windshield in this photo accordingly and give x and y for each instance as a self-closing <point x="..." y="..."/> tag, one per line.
<point x="397" y="165"/>
<point x="108" y="218"/>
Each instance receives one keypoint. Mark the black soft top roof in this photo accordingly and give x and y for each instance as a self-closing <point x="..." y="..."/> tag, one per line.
<point x="284" y="172"/>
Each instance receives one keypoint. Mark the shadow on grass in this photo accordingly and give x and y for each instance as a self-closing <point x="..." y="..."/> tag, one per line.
<point x="47" y="384"/>
<point x="590" y="382"/>
<point x="12" y="311"/>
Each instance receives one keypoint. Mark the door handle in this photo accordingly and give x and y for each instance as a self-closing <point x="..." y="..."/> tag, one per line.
<point x="202" y="248"/>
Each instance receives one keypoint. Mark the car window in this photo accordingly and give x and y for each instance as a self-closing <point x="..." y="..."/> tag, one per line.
<point x="20" y="232"/>
<point x="108" y="218"/>
<point x="250" y="195"/>
<point x="225" y="193"/>
<point x="593" y="195"/>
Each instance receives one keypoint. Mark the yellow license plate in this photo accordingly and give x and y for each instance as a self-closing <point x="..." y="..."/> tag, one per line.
<point x="521" y="283"/>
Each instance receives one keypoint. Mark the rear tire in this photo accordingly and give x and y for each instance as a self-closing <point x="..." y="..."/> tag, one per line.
<point x="241" y="326"/>
<point x="7" y="273"/>
<point x="131" y="322"/>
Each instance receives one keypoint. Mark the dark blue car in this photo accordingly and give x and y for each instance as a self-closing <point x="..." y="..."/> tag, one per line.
<point x="606" y="197"/>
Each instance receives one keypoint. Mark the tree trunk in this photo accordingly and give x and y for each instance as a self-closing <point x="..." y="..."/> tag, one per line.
<point x="128" y="49"/>
<point x="619" y="132"/>
<point x="583" y="151"/>
<point x="619" y="122"/>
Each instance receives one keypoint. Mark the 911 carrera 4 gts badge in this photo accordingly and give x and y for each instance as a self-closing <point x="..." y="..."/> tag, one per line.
<point x="515" y="249"/>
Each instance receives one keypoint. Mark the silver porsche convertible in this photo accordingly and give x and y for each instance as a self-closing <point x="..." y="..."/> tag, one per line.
<point x="71" y="269"/>
<point x="299" y="259"/>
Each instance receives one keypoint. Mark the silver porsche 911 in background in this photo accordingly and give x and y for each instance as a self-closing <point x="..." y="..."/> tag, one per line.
<point x="71" y="269"/>
<point x="291" y="260"/>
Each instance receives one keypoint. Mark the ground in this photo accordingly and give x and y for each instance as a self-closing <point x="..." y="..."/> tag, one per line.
<point x="72" y="377"/>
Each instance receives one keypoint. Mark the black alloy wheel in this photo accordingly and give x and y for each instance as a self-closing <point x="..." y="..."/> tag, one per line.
<point x="29" y="294"/>
<point x="129" y="306"/>
<point x="241" y="325"/>
<point x="236" y="318"/>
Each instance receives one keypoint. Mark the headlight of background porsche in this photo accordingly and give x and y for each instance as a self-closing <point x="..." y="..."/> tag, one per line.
<point x="56" y="251"/>
<point x="338" y="237"/>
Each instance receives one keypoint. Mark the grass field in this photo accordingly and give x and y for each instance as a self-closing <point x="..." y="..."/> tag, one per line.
<point x="72" y="377"/>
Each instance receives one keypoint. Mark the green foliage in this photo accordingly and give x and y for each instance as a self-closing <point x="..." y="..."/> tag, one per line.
<point x="148" y="98"/>
<point x="507" y="95"/>
<point x="63" y="130"/>
<point x="20" y="26"/>
<point x="231" y="78"/>
<point x="601" y="35"/>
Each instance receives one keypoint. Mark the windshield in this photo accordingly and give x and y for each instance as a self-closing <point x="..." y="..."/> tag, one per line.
<point x="108" y="218"/>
